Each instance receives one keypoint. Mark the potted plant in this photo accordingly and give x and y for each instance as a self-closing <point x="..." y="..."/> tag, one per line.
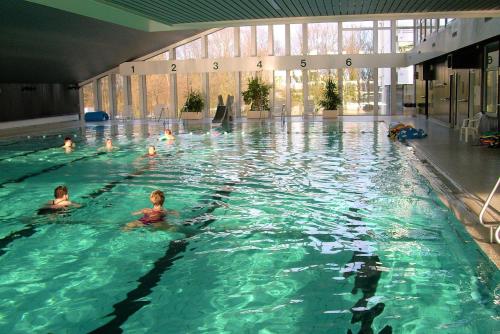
<point x="193" y="106"/>
<point x="257" y="95"/>
<point x="330" y="99"/>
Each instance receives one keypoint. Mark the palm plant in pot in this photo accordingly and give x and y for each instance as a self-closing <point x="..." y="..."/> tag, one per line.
<point x="193" y="106"/>
<point x="257" y="95"/>
<point x="330" y="99"/>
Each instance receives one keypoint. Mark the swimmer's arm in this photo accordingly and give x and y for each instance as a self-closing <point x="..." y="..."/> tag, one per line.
<point x="172" y="212"/>
<point x="136" y="213"/>
<point x="75" y="205"/>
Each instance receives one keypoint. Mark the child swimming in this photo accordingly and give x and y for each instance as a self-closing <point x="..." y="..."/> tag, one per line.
<point x="167" y="135"/>
<point x="151" y="217"/>
<point x="151" y="151"/>
<point x="69" y="145"/>
<point x="108" y="146"/>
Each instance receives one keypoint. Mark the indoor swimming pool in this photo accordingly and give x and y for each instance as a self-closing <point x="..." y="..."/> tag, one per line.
<point x="301" y="227"/>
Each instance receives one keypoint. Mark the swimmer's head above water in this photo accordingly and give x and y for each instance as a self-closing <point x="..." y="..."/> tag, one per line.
<point x="151" y="150"/>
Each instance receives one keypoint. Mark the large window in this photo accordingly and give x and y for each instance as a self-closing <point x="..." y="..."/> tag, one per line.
<point x="296" y="42"/>
<point x="262" y="40"/>
<point x="191" y="50"/>
<point x="358" y="96"/>
<point x="221" y="43"/>
<point x="186" y="83"/>
<point x="245" y="41"/>
<point x="221" y="83"/>
<point x="384" y="91"/>
<point x="384" y="37"/>
<point x="316" y="84"/>
<point x="357" y="37"/>
<point x="404" y="36"/>
<point x="160" y="56"/>
<point x="104" y="94"/>
<point x="134" y="89"/>
<point x="279" y="39"/>
<point x="279" y="91"/>
<point x="357" y="41"/>
<point x="158" y="94"/>
<point x="297" y="92"/>
<point x="322" y="38"/>
<point x="88" y="98"/>
<point x="120" y="96"/>
<point x="405" y="90"/>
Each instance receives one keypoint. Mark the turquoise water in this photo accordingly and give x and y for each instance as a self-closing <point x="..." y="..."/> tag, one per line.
<point x="301" y="228"/>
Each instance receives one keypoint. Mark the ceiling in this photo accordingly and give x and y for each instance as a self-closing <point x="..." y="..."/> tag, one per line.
<point x="171" y="12"/>
<point x="40" y="44"/>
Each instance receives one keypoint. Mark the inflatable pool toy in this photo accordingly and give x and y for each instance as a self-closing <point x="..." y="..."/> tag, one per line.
<point x="96" y="116"/>
<point x="403" y="132"/>
<point x="491" y="139"/>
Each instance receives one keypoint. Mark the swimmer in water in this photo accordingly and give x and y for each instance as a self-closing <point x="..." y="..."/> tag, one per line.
<point x="167" y="134"/>
<point x="108" y="146"/>
<point x="151" y="151"/>
<point x="69" y="145"/>
<point x="61" y="201"/>
<point x="151" y="217"/>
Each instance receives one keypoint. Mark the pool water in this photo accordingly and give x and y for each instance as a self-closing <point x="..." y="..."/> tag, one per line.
<point x="300" y="227"/>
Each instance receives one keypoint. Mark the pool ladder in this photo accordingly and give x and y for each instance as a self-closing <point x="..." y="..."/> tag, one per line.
<point x="483" y="210"/>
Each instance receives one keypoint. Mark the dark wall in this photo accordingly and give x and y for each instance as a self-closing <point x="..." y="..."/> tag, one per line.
<point x="25" y="101"/>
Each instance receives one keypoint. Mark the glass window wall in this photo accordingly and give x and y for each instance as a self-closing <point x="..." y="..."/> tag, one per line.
<point x="316" y="85"/>
<point x="245" y="41"/>
<point x="120" y="96"/>
<point x="358" y="95"/>
<point x="104" y="94"/>
<point x="262" y="40"/>
<point x="221" y="43"/>
<point x="322" y="38"/>
<point x="191" y="50"/>
<point x="158" y="94"/>
<point x="88" y="98"/>
<point x="279" y="39"/>
<point x="221" y="83"/>
<point x="297" y="93"/>
<point x="134" y="90"/>
<point x="296" y="39"/>
<point x="185" y="84"/>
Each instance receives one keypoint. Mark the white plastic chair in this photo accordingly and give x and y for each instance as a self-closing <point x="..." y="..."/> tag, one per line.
<point x="470" y="126"/>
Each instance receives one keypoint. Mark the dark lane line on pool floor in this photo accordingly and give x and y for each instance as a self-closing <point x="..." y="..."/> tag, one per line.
<point x="133" y="302"/>
<point x="29" y="153"/>
<point x="366" y="279"/>
<point x="30" y="229"/>
<point x="49" y="169"/>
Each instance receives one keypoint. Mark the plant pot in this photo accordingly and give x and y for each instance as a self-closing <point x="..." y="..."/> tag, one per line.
<point x="257" y="113"/>
<point x="330" y="113"/>
<point x="188" y="115"/>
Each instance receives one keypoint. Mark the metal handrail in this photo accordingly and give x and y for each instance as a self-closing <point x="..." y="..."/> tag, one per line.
<point x="483" y="210"/>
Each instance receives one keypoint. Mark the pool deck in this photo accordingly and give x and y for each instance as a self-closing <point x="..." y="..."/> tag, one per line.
<point x="468" y="171"/>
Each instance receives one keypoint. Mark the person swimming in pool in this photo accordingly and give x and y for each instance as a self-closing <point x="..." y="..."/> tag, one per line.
<point x="108" y="146"/>
<point x="151" y="217"/>
<point x="68" y="143"/>
<point x="167" y="135"/>
<point x="151" y="151"/>
<point x="61" y="201"/>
